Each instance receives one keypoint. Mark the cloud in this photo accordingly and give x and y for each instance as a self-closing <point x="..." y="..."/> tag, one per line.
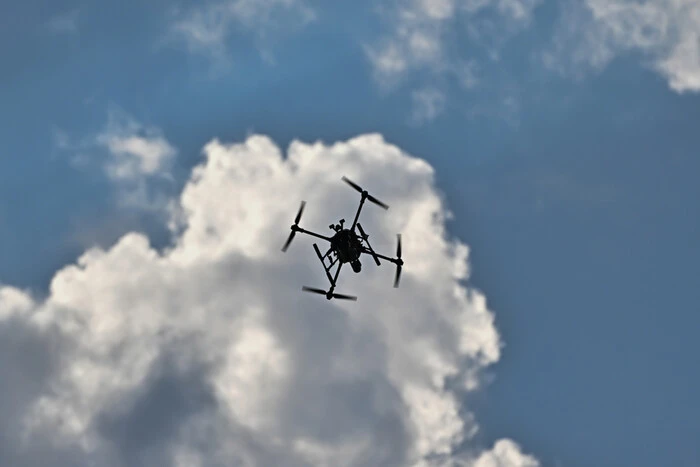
<point x="135" y="157"/>
<point x="420" y="30"/>
<point x="64" y="23"/>
<point x="665" y="32"/>
<point x="428" y="103"/>
<point x="207" y="28"/>
<point x="208" y="353"/>
<point x="505" y="453"/>
<point x="423" y="34"/>
<point x="135" y="151"/>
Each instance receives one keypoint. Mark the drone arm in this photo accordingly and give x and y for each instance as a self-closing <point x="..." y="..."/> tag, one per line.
<point x="313" y="234"/>
<point x="370" y="250"/>
<point x="391" y="260"/>
<point x="357" y="215"/>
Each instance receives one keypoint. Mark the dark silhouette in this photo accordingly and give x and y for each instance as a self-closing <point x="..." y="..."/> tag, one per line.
<point x="346" y="246"/>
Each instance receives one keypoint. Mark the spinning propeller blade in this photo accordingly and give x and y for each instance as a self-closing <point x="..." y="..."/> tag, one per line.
<point x="377" y="202"/>
<point x="399" y="261"/>
<point x="289" y="240"/>
<point x="345" y="297"/>
<point x="352" y="184"/>
<point x="301" y="211"/>
<point x="296" y="223"/>
<point x="339" y="296"/>
<point x="398" y="276"/>
<point x="364" y="192"/>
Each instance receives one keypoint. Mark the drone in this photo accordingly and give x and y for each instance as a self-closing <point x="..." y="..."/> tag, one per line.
<point x="346" y="246"/>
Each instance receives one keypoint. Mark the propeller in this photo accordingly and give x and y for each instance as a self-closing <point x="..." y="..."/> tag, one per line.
<point x="344" y="297"/>
<point x="314" y="290"/>
<point x="371" y="250"/>
<point x="329" y="295"/>
<point x="364" y="193"/>
<point x="295" y="227"/>
<point x="399" y="261"/>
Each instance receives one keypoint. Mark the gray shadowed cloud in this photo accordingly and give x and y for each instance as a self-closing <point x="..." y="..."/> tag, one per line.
<point x="29" y="359"/>
<point x="172" y="395"/>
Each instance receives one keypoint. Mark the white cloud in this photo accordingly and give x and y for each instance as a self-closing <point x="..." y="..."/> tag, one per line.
<point x="420" y="29"/>
<point x="423" y="39"/>
<point x="428" y="103"/>
<point x="135" y="151"/>
<point x="208" y="353"/>
<point x="505" y="453"/>
<point x="135" y="157"/>
<point x="665" y="32"/>
<point x="206" y="28"/>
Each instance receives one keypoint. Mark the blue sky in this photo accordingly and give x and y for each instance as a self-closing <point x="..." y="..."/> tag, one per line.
<point x="563" y="137"/>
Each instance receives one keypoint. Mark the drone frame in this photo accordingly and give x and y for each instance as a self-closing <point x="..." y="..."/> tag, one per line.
<point x="365" y="247"/>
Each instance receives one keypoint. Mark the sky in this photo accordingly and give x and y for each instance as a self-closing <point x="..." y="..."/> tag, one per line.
<point x="540" y="160"/>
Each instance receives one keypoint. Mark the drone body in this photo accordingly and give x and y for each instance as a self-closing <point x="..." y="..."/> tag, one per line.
<point x="345" y="246"/>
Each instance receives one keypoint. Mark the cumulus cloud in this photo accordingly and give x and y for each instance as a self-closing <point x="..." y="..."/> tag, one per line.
<point x="665" y="32"/>
<point x="505" y="453"/>
<point x="208" y="353"/>
<point x="206" y="28"/>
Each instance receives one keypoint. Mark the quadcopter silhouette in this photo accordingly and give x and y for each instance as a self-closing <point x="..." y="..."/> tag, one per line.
<point x="346" y="246"/>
